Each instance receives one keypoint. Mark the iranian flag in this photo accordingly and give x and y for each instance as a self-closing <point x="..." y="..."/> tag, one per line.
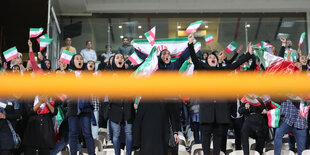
<point x="150" y="36"/>
<point x="209" y="38"/>
<point x="274" y="64"/>
<point x="176" y="46"/>
<point x="34" y="32"/>
<point x="197" y="47"/>
<point x="193" y="27"/>
<point x="10" y="54"/>
<point x="66" y="56"/>
<point x="149" y="66"/>
<point x="273" y="117"/>
<point x="231" y="47"/>
<point x="187" y="68"/>
<point x="135" y="59"/>
<point x="265" y="45"/>
<point x="251" y="100"/>
<point x="302" y="38"/>
<point x="44" y="41"/>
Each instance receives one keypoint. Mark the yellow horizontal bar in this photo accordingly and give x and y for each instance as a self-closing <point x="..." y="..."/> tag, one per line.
<point x="161" y="84"/>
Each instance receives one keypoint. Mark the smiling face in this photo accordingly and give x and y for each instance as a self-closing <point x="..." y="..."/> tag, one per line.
<point x="119" y="60"/>
<point x="90" y="66"/>
<point x="166" y="57"/>
<point x="78" y="61"/>
<point x="212" y="61"/>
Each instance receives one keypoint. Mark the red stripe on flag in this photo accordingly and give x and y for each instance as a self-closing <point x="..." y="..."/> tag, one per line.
<point x="210" y="40"/>
<point x="11" y="57"/>
<point x="64" y="60"/>
<point x="133" y="60"/>
<point x="227" y="50"/>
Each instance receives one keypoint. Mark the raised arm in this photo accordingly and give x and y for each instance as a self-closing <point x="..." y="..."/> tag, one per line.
<point x="282" y="49"/>
<point x="32" y="58"/>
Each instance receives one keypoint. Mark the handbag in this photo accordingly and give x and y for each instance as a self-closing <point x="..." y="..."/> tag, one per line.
<point x="16" y="138"/>
<point x="171" y="141"/>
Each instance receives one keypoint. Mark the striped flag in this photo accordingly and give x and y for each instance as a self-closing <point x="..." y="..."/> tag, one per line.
<point x="150" y="64"/>
<point x="231" y="47"/>
<point x="251" y="100"/>
<point x="193" y="27"/>
<point x="273" y="117"/>
<point x="150" y="35"/>
<point x="34" y="32"/>
<point x="135" y="59"/>
<point x="197" y="47"/>
<point x="302" y="38"/>
<point x="44" y="41"/>
<point x="209" y="38"/>
<point x="66" y="56"/>
<point x="10" y="54"/>
<point x="187" y="68"/>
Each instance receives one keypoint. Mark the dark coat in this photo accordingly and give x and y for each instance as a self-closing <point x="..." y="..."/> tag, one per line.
<point x="121" y="110"/>
<point x="214" y="111"/>
<point x="39" y="132"/>
<point x="150" y="130"/>
<point x="176" y="65"/>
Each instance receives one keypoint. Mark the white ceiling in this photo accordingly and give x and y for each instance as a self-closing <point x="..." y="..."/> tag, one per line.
<point x="86" y="7"/>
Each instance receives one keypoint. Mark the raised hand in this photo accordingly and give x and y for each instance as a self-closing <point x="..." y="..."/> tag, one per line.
<point x="191" y="38"/>
<point x="239" y="48"/>
<point x="283" y="40"/>
<point x="251" y="50"/>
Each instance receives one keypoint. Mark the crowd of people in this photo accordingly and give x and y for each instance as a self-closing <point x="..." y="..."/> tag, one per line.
<point x="47" y="124"/>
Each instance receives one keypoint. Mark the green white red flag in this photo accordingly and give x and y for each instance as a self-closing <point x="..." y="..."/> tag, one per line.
<point x="66" y="56"/>
<point x="149" y="66"/>
<point x="209" y="38"/>
<point x="197" y="47"/>
<point x="193" y="27"/>
<point x="273" y="117"/>
<point x="150" y="35"/>
<point x="176" y="46"/>
<point x="251" y="100"/>
<point x="231" y="47"/>
<point x="10" y="54"/>
<point x="44" y="41"/>
<point x="34" y="32"/>
<point x="302" y="38"/>
<point x="135" y="59"/>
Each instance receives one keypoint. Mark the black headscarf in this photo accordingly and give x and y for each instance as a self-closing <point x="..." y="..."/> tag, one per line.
<point x="114" y="67"/>
<point x="72" y="66"/>
<point x="160" y="61"/>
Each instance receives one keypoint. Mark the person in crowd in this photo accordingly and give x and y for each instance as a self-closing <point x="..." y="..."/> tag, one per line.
<point x="194" y="115"/>
<point x="215" y="113"/>
<point x="62" y="67"/>
<point x="204" y="57"/>
<point x="45" y="63"/>
<point x="9" y="114"/>
<point x="290" y="54"/>
<point x="88" y="53"/>
<point x="79" y="113"/>
<point x="108" y="53"/>
<point x="223" y="61"/>
<point x="126" y="49"/>
<point x="254" y="126"/>
<point x="90" y="66"/>
<point x="68" y="46"/>
<point x="294" y="122"/>
<point x="39" y="134"/>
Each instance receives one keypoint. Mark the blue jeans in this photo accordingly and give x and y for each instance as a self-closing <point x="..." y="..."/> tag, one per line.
<point x="300" y="136"/>
<point x="116" y="132"/>
<point x="75" y="122"/>
<point x="62" y="144"/>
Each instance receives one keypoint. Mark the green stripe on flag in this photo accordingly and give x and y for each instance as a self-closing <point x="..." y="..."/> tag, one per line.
<point x="210" y="35"/>
<point x="9" y="50"/>
<point x="36" y="29"/>
<point x="197" y="22"/>
<point x="234" y="44"/>
<point x="158" y="41"/>
<point x="68" y="52"/>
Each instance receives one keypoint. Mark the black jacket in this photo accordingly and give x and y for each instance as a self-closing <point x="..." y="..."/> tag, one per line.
<point x="214" y="111"/>
<point x="121" y="110"/>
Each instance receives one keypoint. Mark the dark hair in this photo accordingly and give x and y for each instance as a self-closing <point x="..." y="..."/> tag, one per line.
<point x="106" y="46"/>
<point x="125" y="38"/>
<point x="49" y="62"/>
<point x="113" y="66"/>
<point x="87" y="41"/>
<point x="16" y="66"/>
<point x="67" y="38"/>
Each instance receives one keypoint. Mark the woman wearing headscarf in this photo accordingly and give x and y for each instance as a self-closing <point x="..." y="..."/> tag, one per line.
<point x="214" y="114"/>
<point x="80" y="113"/>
